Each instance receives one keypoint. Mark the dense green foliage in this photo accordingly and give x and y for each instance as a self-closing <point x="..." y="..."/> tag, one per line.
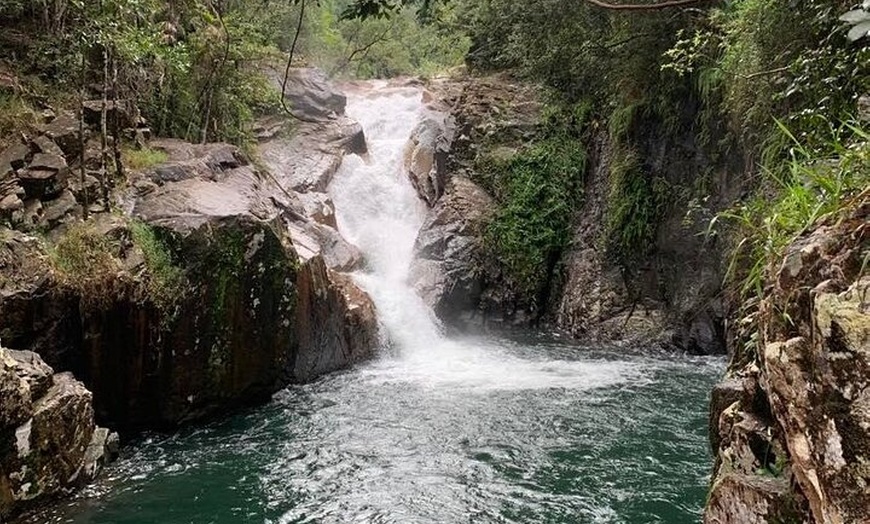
<point x="538" y="190"/>
<point x="200" y="69"/>
<point x="165" y="279"/>
<point x="718" y="76"/>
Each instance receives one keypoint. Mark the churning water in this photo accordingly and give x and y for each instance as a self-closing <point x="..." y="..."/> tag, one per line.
<point x="438" y="430"/>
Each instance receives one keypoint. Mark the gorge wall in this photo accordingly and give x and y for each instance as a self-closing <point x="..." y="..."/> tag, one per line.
<point x="789" y="423"/>
<point x="670" y="297"/>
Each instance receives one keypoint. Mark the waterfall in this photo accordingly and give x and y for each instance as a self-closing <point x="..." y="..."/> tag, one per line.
<point x="379" y="211"/>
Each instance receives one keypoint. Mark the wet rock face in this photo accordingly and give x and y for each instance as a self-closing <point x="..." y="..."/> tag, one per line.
<point x="810" y="402"/>
<point x="448" y="253"/>
<point x="336" y="322"/>
<point x="671" y="298"/>
<point x="426" y="155"/>
<point x="49" y="444"/>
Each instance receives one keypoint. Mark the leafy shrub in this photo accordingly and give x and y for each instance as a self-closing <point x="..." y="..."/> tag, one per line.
<point x="635" y="207"/>
<point x="15" y="114"/>
<point x="537" y="191"/>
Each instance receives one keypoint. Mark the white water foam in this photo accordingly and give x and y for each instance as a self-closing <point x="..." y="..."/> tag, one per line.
<point x="378" y="210"/>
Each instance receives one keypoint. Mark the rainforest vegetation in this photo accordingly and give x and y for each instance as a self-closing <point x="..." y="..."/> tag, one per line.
<point x="771" y="87"/>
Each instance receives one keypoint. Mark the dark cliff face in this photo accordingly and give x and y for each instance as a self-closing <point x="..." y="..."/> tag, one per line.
<point x="667" y="293"/>
<point x="223" y="340"/>
<point x="664" y="291"/>
<point x="244" y="319"/>
<point x="225" y="337"/>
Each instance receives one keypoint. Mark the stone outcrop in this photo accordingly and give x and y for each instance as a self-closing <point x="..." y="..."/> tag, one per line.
<point x="49" y="444"/>
<point x="792" y="423"/>
<point x="302" y="163"/>
<point x="214" y="288"/>
<point x="466" y="119"/>
<point x="335" y="322"/>
<point x="426" y="154"/>
<point x="41" y="184"/>
<point x="447" y="270"/>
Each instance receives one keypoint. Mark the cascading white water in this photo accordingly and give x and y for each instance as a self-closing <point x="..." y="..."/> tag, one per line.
<point x="378" y="210"/>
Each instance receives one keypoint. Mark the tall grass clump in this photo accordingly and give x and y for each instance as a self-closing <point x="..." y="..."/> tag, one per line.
<point x="807" y="188"/>
<point x="165" y="278"/>
<point x="83" y="260"/>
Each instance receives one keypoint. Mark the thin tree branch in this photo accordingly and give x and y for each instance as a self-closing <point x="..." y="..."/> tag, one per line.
<point x="644" y="7"/>
<point x="290" y="57"/>
<point x="765" y="73"/>
<point x="363" y="50"/>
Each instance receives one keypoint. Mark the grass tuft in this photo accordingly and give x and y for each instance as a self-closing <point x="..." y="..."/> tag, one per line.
<point x="139" y="159"/>
<point x="83" y="259"/>
<point x="165" y="279"/>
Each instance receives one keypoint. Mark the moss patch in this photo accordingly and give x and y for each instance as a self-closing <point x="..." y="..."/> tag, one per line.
<point x="166" y="280"/>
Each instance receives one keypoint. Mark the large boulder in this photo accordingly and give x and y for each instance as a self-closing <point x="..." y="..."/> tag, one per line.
<point x="446" y="270"/>
<point x="301" y="166"/>
<point x="336" y="323"/>
<point x="49" y="444"/>
<point x="426" y="155"/>
<point x="308" y="93"/>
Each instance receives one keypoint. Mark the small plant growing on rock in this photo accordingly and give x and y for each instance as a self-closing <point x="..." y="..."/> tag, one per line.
<point x="165" y="279"/>
<point x="83" y="260"/>
<point x="138" y="159"/>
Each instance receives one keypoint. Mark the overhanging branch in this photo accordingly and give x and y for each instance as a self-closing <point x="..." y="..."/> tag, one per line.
<point x="645" y="7"/>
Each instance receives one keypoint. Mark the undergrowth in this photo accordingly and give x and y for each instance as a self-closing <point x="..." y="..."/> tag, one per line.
<point x="84" y="260"/>
<point x="537" y="191"/>
<point x="808" y="188"/>
<point x="15" y="114"/>
<point x="636" y="205"/>
<point x="165" y="279"/>
<point x="90" y="263"/>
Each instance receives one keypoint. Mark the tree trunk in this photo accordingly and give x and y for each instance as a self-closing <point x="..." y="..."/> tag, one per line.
<point x="116" y="131"/>
<point x="82" y="173"/>
<point x="104" y="148"/>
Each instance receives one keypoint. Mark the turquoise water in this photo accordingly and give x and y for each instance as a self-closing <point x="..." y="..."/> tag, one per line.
<point x="572" y="436"/>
